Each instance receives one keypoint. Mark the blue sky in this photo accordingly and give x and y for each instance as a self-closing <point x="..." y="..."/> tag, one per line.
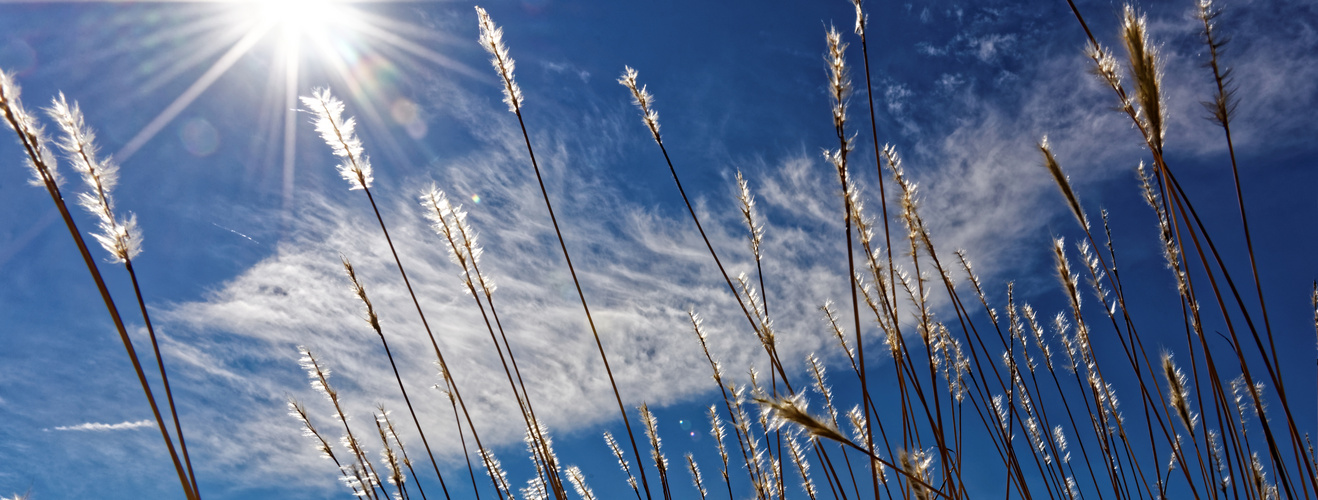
<point x="244" y="225"/>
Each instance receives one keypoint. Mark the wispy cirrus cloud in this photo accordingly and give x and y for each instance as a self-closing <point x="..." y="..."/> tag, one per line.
<point x="982" y="189"/>
<point x="100" y="427"/>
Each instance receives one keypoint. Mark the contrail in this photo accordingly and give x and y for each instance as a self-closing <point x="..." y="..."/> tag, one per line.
<point x="249" y="238"/>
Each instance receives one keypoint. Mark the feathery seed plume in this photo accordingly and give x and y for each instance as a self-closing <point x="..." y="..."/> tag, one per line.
<point x="748" y="214"/>
<point x="578" y="481"/>
<point x="30" y="135"/>
<point x="1223" y="105"/>
<point x="299" y="412"/>
<point x="495" y="470"/>
<point x="1148" y="75"/>
<point x="534" y="489"/>
<point x="1060" y="438"/>
<point x="450" y="221"/>
<point x="802" y="466"/>
<point x="642" y="99"/>
<point x="838" y="80"/>
<point x="360" y="292"/>
<point x="492" y="40"/>
<point x="860" y="18"/>
<point x="695" y="475"/>
<point x="1063" y="182"/>
<point x="1177" y="392"/>
<point x="120" y="237"/>
<point x="392" y="463"/>
<point x="341" y="137"/>
<point x="622" y="460"/>
<point x="652" y="432"/>
<point x="916" y="465"/>
<point x="793" y="409"/>
<point x="1105" y="66"/>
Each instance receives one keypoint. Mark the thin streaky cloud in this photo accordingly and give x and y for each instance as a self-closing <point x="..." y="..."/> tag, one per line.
<point x="99" y="427"/>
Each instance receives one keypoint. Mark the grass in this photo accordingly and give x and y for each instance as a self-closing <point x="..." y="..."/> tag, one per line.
<point x="1031" y="400"/>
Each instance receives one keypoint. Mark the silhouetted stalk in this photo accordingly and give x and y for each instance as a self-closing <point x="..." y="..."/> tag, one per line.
<point x="1167" y="179"/>
<point x="492" y="41"/>
<point x="840" y="86"/>
<point x="120" y="237"/>
<point x="320" y="381"/>
<point x="729" y="403"/>
<point x="642" y="99"/>
<point x="164" y="379"/>
<point x="389" y="425"/>
<point x="450" y="222"/>
<point x="299" y="412"/>
<point x="43" y="164"/>
<point x="374" y="321"/>
<point x="462" y="436"/>
<point x="338" y="134"/>
<point x="861" y="24"/>
<point x="391" y="460"/>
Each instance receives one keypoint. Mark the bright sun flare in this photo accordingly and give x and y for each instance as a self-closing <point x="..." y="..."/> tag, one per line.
<point x="296" y="18"/>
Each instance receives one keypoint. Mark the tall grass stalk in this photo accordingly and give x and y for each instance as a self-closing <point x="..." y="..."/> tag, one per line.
<point x="492" y="40"/>
<point x="1176" y="202"/>
<point x="340" y="135"/>
<point x="450" y="222"/>
<point x="120" y="237"/>
<point x="374" y="320"/>
<point x="43" y="165"/>
<point x="962" y="381"/>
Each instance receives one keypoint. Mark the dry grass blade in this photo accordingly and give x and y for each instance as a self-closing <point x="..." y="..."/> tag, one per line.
<point x="1147" y="74"/>
<point x="1064" y="183"/>
<point x="793" y="410"/>
<point x="1177" y="392"/>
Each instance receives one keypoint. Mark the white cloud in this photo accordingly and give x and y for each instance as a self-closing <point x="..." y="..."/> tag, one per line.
<point x="982" y="189"/>
<point x="96" y="426"/>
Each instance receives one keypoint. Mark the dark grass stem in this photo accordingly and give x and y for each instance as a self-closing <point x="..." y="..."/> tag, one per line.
<point x="1166" y="177"/>
<point x="449" y="222"/>
<point x="389" y="424"/>
<point x="492" y="40"/>
<point x="374" y="321"/>
<point x="38" y="154"/>
<point x="339" y="135"/>
<point x="643" y="100"/>
<point x="164" y="379"/>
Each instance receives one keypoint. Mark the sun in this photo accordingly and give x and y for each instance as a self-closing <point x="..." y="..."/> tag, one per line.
<point x="294" y="19"/>
<point x="336" y="39"/>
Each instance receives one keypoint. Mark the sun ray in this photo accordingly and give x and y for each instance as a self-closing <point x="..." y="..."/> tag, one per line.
<point x="183" y="100"/>
<point x="291" y="75"/>
<point x="190" y="56"/>
<point x="386" y="34"/>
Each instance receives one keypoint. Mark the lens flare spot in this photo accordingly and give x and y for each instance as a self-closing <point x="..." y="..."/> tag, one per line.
<point x="408" y="114"/>
<point x="475" y="198"/>
<point x="685" y="424"/>
<point x="199" y="137"/>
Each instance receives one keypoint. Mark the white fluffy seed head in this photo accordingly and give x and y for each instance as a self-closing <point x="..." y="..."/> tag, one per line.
<point x="642" y="99"/>
<point x="492" y="40"/>
<point x="341" y="137"/>
<point x="29" y="131"/>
